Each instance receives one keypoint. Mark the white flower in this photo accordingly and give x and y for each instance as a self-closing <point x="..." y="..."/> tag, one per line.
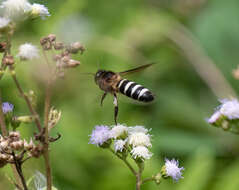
<point x="16" y="9"/>
<point x="214" y="117"/>
<point x="138" y="128"/>
<point x="173" y="170"/>
<point x="119" y="130"/>
<point x="4" y="22"/>
<point x="40" y="10"/>
<point x="119" y="145"/>
<point x="230" y="108"/>
<point x="139" y="139"/>
<point x="28" y="51"/>
<point x="141" y="152"/>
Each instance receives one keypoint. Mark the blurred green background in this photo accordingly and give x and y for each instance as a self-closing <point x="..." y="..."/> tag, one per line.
<point x="195" y="44"/>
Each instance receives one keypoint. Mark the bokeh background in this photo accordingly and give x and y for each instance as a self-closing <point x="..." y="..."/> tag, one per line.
<point x="195" y="45"/>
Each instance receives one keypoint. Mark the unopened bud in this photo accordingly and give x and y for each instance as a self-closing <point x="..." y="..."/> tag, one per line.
<point x="3" y="46"/>
<point x="157" y="178"/>
<point x="54" y="117"/>
<point x="25" y="119"/>
<point x="8" y="60"/>
<point x="52" y="37"/>
<point x="4" y="144"/>
<point x="73" y="63"/>
<point x="43" y="41"/>
<point x="14" y="134"/>
<point x="76" y="47"/>
<point x="59" y="46"/>
<point x="30" y="146"/>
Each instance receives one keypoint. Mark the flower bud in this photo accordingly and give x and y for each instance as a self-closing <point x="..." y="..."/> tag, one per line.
<point x="75" y="48"/>
<point x="25" y="119"/>
<point x="59" y="46"/>
<point x="14" y="135"/>
<point x="52" y="37"/>
<point x="157" y="178"/>
<point x="73" y="63"/>
<point x="8" y="60"/>
<point x="4" y="144"/>
<point x="3" y="46"/>
<point x="54" y="117"/>
<point x="30" y="146"/>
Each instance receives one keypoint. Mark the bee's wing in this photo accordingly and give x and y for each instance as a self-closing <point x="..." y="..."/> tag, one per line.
<point x="137" y="69"/>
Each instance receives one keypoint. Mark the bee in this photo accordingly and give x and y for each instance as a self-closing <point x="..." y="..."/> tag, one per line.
<point x="113" y="83"/>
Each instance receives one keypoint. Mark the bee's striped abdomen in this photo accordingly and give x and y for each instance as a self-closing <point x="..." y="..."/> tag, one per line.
<point x="135" y="91"/>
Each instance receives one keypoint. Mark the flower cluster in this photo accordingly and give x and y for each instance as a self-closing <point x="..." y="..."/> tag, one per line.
<point x="133" y="140"/>
<point x="135" y="143"/>
<point x="64" y="59"/>
<point x="13" y="148"/>
<point x="22" y="9"/>
<point x="226" y="115"/>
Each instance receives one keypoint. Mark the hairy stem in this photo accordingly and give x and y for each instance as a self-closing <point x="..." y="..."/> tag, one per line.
<point x="19" y="170"/>
<point x="32" y="110"/>
<point x="138" y="176"/>
<point x="46" y="143"/>
<point x="46" y="121"/>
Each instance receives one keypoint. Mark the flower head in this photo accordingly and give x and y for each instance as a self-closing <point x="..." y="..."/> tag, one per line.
<point x="139" y="139"/>
<point x="39" y="10"/>
<point x="138" y="128"/>
<point x="16" y="9"/>
<point x="230" y="108"/>
<point x="141" y="152"/>
<point x="119" y="145"/>
<point x="119" y="131"/>
<point x="4" y="22"/>
<point x="28" y="51"/>
<point x="173" y="170"/>
<point x="100" y="135"/>
<point x="7" y="107"/>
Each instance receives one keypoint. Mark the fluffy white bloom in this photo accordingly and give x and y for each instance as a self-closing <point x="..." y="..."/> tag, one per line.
<point x="230" y="108"/>
<point x="119" y="145"/>
<point x="118" y="130"/>
<point x="214" y="117"/>
<point x="28" y="51"/>
<point x="16" y="9"/>
<point x="173" y="170"/>
<point x="139" y="139"/>
<point x="40" y="10"/>
<point x="138" y="128"/>
<point x="4" y="22"/>
<point x="141" y="152"/>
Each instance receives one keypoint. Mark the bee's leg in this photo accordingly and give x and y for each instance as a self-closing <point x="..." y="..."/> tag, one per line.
<point x="116" y="107"/>
<point x="102" y="98"/>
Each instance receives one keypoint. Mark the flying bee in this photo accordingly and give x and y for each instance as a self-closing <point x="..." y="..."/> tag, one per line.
<point x="112" y="82"/>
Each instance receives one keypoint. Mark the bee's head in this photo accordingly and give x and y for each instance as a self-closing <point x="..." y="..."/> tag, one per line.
<point x="98" y="75"/>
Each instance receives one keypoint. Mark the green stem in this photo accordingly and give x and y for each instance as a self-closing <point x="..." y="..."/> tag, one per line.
<point x="147" y="180"/>
<point x="125" y="161"/>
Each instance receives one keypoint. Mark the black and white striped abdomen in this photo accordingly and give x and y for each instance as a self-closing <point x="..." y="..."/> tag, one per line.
<point x="135" y="91"/>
